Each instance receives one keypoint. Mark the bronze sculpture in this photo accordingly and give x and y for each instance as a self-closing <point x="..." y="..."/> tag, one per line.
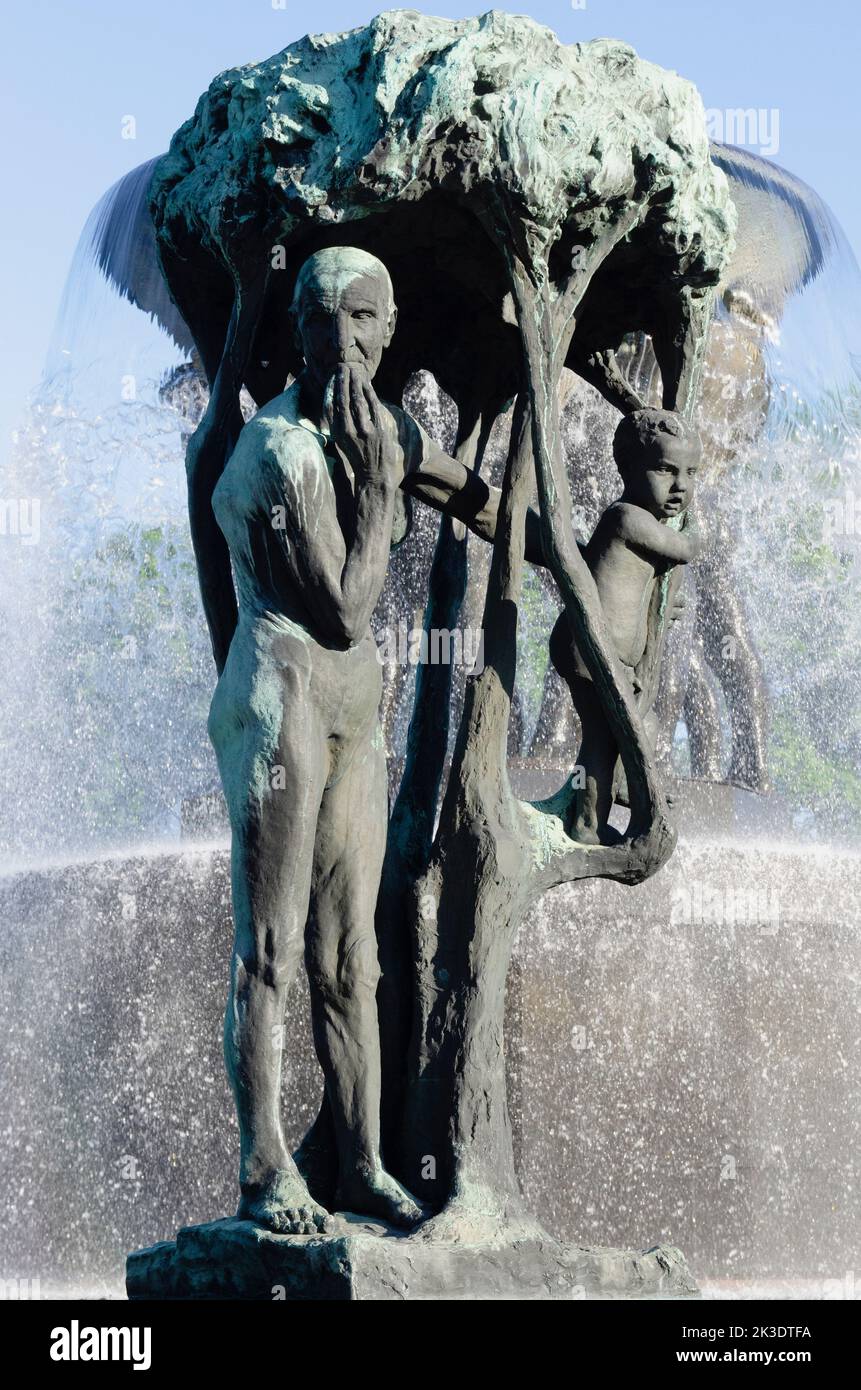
<point x="514" y="250"/>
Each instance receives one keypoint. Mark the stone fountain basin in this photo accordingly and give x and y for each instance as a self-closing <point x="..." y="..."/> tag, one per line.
<point x="683" y="1061"/>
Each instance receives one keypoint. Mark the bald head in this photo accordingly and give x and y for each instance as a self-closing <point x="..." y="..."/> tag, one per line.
<point x="331" y="270"/>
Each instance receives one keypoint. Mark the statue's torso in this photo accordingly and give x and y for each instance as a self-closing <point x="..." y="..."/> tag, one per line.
<point x="279" y="477"/>
<point x="625" y="581"/>
<point x="280" y="461"/>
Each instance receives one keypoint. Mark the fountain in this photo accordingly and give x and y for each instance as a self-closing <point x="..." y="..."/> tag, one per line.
<point x="716" y="1096"/>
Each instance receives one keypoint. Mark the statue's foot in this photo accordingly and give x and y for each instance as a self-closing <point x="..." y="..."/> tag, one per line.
<point x="749" y="779"/>
<point x="317" y="1159"/>
<point x="610" y="835"/>
<point x="284" y="1205"/>
<point x="464" y="1223"/>
<point x="584" y="834"/>
<point x="376" y="1193"/>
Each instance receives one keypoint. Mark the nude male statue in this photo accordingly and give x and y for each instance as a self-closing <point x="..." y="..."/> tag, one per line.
<point x="310" y="503"/>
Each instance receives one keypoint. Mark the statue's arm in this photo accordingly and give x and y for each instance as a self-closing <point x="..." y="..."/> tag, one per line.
<point x="339" y="576"/>
<point x="654" y="539"/>
<point x="449" y="486"/>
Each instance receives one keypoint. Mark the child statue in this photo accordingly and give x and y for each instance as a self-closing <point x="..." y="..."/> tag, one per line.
<point x="633" y="546"/>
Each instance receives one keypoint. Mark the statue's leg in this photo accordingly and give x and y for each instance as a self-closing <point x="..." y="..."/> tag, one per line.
<point x="670" y="700"/>
<point x="727" y="639"/>
<point x="343" y="970"/>
<point x="556" y="734"/>
<point x="597" y="762"/>
<point x="274" y="795"/>
<point x="702" y="716"/>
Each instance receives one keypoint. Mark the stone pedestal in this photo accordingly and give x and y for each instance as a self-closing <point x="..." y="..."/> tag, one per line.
<point x="366" y="1260"/>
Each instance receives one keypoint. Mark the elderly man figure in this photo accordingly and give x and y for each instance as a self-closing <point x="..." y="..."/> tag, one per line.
<point x="310" y="503"/>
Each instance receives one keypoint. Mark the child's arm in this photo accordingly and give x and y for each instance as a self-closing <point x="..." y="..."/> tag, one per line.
<point x="657" y="541"/>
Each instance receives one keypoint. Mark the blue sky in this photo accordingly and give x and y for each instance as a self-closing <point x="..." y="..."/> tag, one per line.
<point x="73" y="72"/>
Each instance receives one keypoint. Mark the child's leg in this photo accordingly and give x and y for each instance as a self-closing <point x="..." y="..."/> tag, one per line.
<point x="596" y="762"/>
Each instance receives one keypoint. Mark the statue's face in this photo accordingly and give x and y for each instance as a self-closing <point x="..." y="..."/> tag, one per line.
<point x="664" y="482"/>
<point x="343" y="322"/>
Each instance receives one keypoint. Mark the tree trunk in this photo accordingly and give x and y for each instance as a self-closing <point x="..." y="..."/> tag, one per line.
<point x="494" y="855"/>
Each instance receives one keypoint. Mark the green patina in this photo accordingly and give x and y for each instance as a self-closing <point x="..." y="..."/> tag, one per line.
<point x="337" y="126"/>
<point x="539" y="161"/>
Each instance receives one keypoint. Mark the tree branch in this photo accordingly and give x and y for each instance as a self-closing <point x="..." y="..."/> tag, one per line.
<point x="206" y="455"/>
<point x="546" y="336"/>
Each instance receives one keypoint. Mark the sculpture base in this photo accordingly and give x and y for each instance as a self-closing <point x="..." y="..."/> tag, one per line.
<point x="361" y="1259"/>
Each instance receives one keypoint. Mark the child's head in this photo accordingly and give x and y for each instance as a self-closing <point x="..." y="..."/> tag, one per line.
<point x="657" y="454"/>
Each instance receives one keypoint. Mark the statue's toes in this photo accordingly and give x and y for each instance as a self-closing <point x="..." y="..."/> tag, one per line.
<point x="406" y="1213"/>
<point x="283" y="1221"/>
